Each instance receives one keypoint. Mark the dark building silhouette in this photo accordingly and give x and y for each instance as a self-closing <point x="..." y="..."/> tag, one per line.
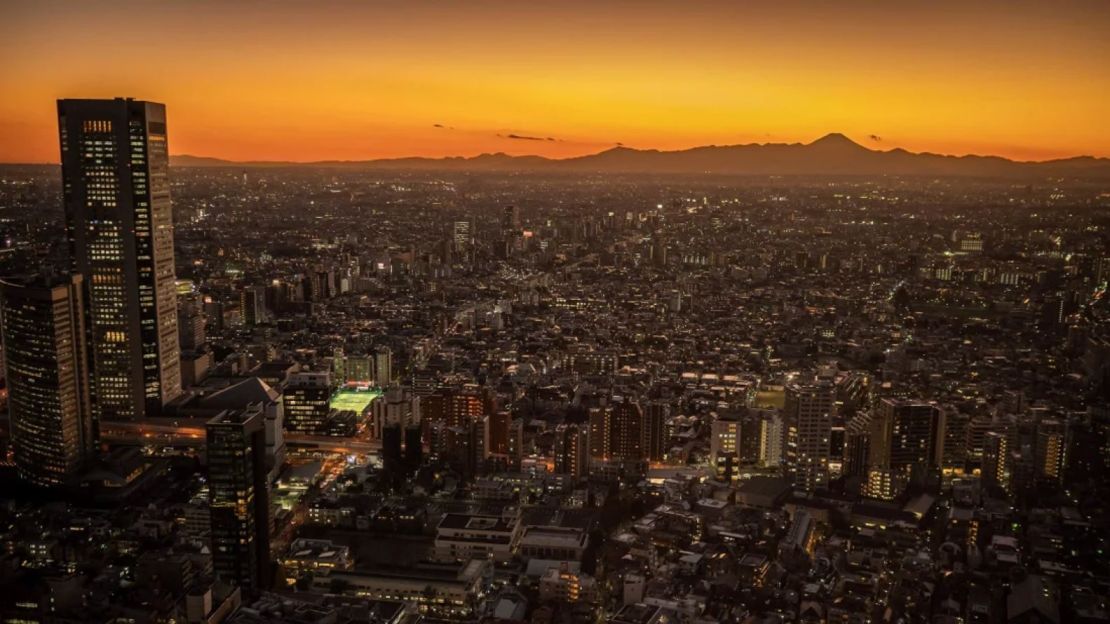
<point x="52" y="428"/>
<point x="120" y="228"/>
<point x="414" y="447"/>
<point x="392" y="443"/>
<point x="239" y="498"/>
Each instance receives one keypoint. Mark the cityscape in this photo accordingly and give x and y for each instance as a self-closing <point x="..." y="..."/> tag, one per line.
<point x="822" y="379"/>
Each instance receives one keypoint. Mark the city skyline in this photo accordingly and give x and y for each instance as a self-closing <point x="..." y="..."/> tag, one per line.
<point x="352" y="82"/>
<point x="591" y="313"/>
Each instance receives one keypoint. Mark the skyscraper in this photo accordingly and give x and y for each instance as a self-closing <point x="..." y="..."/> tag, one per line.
<point x="52" y="428"/>
<point x="120" y="229"/>
<point x="810" y="408"/>
<point x="904" y="437"/>
<point x="307" y="401"/>
<point x="252" y="305"/>
<point x="571" y="451"/>
<point x="383" y="366"/>
<point x="239" y="498"/>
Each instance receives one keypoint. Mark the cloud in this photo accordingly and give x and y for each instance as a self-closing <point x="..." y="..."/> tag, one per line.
<point x="439" y="125"/>
<point x="876" y="138"/>
<point x="521" y="137"/>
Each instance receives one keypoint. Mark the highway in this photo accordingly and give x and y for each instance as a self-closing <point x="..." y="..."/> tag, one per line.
<point x="191" y="433"/>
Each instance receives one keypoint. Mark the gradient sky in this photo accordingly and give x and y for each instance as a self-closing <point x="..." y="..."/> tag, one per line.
<point x="283" y="80"/>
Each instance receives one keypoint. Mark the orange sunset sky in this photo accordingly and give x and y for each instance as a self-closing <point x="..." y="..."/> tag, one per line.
<point x="283" y="80"/>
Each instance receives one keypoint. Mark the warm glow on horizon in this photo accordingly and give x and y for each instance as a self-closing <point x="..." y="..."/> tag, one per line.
<point x="349" y="80"/>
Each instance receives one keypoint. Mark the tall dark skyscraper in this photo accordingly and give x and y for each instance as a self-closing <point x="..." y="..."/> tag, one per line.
<point x="44" y="350"/>
<point x="904" y="436"/>
<point x="120" y="228"/>
<point x="239" y="498"/>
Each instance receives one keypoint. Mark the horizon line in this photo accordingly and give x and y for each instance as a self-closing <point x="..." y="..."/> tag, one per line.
<point x="616" y="146"/>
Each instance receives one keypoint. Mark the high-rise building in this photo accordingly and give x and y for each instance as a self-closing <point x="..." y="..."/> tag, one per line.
<point x="599" y="439"/>
<point x="454" y="407"/>
<point x="655" y="442"/>
<point x="1051" y="450"/>
<point x="238" y="498"/>
<point x="120" y="229"/>
<point x="383" y="366"/>
<point x="626" y="431"/>
<point x="252" y="304"/>
<point x="191" y="320"/>
<point x="623" y="431"/>
<point x="307" y="398"/>
<point x="571" y="451"/>
<point x="810" y="408"/>
<point x="496" y="432"/>
<point x="396" y="406"/>
<point x="52" y="428"/>
<point x="904" y="437"/>
<point x="772" y="438"/>
<point x="462" y="236"/>
<point x="995" y="467"/>
<point x="510" y="222"/>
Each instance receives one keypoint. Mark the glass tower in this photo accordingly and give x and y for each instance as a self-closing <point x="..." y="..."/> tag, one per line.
<point x="120" y="228"/>
<point x="238" y="497"/>
<point x="44" y="351"/>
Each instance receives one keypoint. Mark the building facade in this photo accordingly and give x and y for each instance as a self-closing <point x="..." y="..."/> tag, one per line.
<point x="120" y="228"/>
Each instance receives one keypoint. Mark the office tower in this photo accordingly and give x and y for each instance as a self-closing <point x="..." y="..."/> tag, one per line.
<point x="307" y="396"/>
<point x="857" y="445"/>
<point x="462" y="236"/>
<point x="658" y="250"/>
<point x="394" y="407"/>
<point x="904" y="437"/>
<point x="392" y="444"/>
<point x="120" y="228"/>
<point x="52" y="426"/>
<point x="414" y="447"/>
<point x="190" y="314"/>
<point x="383" y="366"/>
<point x="252" y="304"/>
<point x="510" y="221"/>
<point x="252" y="392"/>
<point x="239" y="499"/>
<point x="810" y="408"/>
<point x="571" y="451"/>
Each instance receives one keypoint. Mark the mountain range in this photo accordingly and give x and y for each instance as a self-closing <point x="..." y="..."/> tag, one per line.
<point x="833" y="154"/>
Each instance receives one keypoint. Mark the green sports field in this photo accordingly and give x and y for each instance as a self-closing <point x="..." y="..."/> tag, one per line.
<point x="357" y="401"/>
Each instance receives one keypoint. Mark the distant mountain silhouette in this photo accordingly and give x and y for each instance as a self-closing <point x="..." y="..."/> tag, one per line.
<point x="832" y="154"/>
